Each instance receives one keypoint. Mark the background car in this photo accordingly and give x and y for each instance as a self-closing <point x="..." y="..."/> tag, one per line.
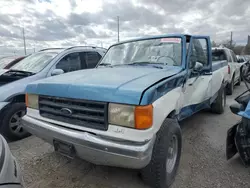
<point x="39" y="65"/>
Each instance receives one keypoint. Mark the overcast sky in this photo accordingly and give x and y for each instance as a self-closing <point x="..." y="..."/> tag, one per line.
<point x="55" y="23"/>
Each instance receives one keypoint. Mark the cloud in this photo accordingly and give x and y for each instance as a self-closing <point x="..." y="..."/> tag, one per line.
<point x="50" y="23"/>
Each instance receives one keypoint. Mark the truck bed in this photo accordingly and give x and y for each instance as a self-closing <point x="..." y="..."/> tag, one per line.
<point x="218" y="64"/>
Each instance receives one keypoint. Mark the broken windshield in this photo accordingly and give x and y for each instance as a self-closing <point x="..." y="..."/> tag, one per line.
<point x="165" y="51"/>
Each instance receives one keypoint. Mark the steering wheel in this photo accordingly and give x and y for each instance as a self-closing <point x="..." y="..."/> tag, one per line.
<point x="169" y="57"/>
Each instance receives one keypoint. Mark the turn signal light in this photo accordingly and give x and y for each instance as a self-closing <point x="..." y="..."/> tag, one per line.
<point x="143" y="117"/>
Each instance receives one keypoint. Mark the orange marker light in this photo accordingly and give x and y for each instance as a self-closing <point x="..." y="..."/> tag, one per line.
<point x="143" y="117"/>
<point x="26" y="99"/>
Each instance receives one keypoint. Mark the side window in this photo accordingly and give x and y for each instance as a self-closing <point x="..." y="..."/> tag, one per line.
<point x="91" y="59"/>
<point x="69" y="63"/>
<point x="234" y="57"/>
<point x="229" y="56"/>
<point x="199" y="52"/>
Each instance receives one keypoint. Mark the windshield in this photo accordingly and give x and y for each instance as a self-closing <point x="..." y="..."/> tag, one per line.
<point x="5" y="61"/>
<point x="218" y="55"/>
<point x="35" y="62"/>
<point x="165" y="51"/>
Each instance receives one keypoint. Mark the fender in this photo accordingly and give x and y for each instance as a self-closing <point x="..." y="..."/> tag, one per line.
<point x="160" y="88"/>
<point x="163" y="108"/>
<point x="3" y="105"/>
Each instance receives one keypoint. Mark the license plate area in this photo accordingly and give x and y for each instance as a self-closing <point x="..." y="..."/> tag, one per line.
<point x="64" y="148"/>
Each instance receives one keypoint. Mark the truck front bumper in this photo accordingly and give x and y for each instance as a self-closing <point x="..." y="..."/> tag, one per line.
<point x="93" y="148"/>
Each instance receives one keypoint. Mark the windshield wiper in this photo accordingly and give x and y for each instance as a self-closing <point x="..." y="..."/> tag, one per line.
<point x="143" y="63"/>
<point x="20" y="72"/>
<point x="105" y="64"/>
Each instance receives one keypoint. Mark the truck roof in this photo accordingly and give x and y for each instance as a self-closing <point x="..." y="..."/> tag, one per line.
<point x="158" y="36"/>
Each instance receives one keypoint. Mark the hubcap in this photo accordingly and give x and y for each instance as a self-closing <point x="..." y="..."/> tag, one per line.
<point x="15" y="123"/>
<point x="172" y="154"/>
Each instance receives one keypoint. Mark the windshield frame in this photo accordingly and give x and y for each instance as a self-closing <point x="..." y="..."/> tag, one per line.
<point x="183" y="46"/>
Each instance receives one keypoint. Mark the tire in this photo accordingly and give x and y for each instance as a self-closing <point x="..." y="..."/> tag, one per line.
<point x="220" y="102"/>
<point x="12" y="115"/>
<point x="239" y="81"/>
<point x="155" y="173"/>
<point x="230" y="87"/>
<point x="241" y="74"/>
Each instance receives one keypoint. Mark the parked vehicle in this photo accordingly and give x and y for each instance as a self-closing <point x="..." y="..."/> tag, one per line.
<point x="223" y="53"/>
<point x="244" y="63"/>
<point x="238" y="136"/>
<point x="7" y="62"/>
<point x="10" y="175"/>
<point x="45" y="63"/>
<point x="125" y="112"/>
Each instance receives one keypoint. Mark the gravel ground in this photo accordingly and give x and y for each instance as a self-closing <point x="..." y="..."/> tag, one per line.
<point x="203" y="162"/>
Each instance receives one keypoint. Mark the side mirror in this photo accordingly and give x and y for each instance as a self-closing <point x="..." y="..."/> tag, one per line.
<point x="198" y="67"/>
<point x="57" y="72"/>
<point x="235" y="108"/>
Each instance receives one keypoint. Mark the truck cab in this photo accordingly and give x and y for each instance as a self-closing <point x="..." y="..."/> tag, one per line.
<point x="234" y="68"/>
<point x="125" y="112"/>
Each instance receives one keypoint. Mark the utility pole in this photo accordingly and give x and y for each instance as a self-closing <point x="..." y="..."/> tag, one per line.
<point x="231" y="39"/>
<point x="118" y="28"/>
<point x="24" y="42"/>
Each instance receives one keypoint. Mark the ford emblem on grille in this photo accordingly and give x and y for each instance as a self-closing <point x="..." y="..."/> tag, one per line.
<point x="66" y="111"/>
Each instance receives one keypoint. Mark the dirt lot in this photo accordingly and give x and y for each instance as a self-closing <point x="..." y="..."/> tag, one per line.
<point x="203" y="162"/>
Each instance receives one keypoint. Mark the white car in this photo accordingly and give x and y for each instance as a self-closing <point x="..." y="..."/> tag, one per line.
<point x="234" y="68"/>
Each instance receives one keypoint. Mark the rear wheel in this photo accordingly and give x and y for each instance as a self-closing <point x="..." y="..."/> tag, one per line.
<point x="230" y="87"/>
<point x="11" y="126"/>
<point x="162" y="169"/>
<point x="239" y="81"/>
<point x="220" y="102"/>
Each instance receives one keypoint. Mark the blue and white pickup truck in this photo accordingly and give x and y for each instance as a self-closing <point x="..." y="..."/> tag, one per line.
<point x="125" y="112"/>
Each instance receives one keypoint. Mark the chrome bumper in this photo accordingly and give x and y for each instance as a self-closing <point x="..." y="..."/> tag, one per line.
<point x="93" y="148"/>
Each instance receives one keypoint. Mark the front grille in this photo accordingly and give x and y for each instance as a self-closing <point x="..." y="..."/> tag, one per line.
<point x="74" y="111"/>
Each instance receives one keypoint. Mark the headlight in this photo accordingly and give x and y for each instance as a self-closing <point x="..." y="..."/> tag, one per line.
<point x="31" y="101"/>
<point x="139" y="117"/>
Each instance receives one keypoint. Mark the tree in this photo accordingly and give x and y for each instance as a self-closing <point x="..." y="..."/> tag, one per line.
<point x="247" y="50"/>
<point x="238" y="50"/>
<point x="214" y="44"/>
<point x="228" y="44"/>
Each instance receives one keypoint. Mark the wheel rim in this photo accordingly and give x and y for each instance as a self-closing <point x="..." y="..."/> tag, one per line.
<point x="16" y="124"/>
<point x="172" y="154"/>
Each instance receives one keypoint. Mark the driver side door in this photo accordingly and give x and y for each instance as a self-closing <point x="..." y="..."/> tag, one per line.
<point x="197" y="89"/>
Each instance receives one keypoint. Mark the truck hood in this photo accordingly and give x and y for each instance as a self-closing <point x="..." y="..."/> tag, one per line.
<point x="118" y="84"/>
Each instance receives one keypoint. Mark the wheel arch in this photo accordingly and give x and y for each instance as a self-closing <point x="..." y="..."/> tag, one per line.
<point x="20" y="97"/>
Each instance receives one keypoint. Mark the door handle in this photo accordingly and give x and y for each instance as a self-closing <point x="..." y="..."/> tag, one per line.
<point x="208" y="73"/>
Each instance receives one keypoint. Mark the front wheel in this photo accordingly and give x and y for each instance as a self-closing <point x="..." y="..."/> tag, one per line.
<point x="162" y="169"/>
<point x="220" y="102"/>
<point x="11" y="126"/>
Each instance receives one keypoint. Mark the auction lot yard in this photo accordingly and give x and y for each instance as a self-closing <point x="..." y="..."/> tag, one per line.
<point x="203" y="161"/>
